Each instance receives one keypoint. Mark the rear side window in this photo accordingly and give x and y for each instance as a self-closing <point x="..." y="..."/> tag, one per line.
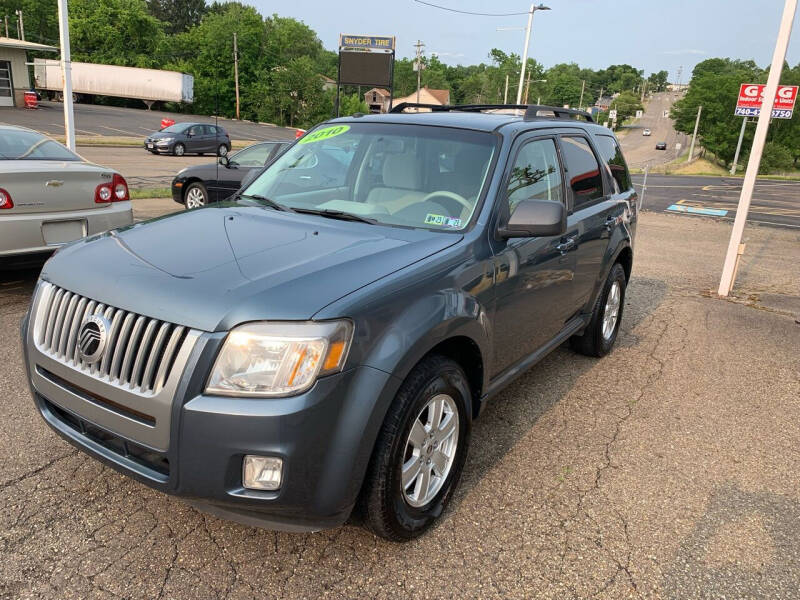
<point x="583" y="171"/>
<point x="536" y="174"/>
<point x="612" y="156"/>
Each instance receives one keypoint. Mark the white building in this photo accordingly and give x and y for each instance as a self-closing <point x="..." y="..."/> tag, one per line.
<point x="14" y="77"/>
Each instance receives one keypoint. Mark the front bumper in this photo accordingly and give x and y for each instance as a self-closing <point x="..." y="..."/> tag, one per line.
<point x="22" y="233"/>
<point x="324" y="436"/>
<point x="177" y="189"/>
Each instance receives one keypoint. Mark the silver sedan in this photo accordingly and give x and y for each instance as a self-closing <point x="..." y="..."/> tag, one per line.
<point x="50" y="196"/>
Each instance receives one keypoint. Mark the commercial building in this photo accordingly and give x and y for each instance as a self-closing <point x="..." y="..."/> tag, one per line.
<point x="14" y="76"/>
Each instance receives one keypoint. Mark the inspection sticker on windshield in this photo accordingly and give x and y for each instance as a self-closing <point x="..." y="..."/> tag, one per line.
<point x="442" y="220"/>
<point x="325" y="133"/>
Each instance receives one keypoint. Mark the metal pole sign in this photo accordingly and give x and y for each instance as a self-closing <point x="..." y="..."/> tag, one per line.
<point x="751" y="96"/>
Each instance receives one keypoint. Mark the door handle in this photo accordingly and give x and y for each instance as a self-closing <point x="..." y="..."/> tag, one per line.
<point x="611" y="221"/>
<point x="566" y="245"/>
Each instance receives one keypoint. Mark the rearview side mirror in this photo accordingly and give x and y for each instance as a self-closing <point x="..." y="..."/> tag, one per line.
<point x="536" y="218"/>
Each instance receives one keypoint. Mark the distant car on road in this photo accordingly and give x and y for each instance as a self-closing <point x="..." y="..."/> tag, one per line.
<point x="196" y="138"/>
<point x="50" y="196"/>
<point x="661" y="146"/>
<point x="199" y="185"/>
<point x="645" y="132"/>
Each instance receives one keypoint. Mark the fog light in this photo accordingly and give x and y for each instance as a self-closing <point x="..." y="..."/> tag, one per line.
<point x="262" y="472"/>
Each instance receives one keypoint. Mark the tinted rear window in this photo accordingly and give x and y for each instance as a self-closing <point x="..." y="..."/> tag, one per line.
<point x="583" y="171"/>
<point x="611" y="154"/>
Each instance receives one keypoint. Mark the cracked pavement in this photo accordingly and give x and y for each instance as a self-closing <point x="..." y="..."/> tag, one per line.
<point x="668" y="469"/>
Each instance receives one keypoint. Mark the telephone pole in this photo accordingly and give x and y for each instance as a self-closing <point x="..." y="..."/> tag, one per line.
<point x="527" y="87"/>
<point x="694" y="135"/>
<point x="6" y="20"/>
<point x="20" y="25"/>
<point x="419" y="46"/>
<point x="236" y="72"/>
<point x="505" y="94"/>
<point x="583" y="87"/>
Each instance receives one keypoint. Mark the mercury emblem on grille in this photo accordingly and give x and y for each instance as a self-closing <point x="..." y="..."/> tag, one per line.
<point x="92" y="338"/>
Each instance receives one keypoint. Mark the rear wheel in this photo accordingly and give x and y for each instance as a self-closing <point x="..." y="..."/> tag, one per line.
<point x="179" y="149"/>
<point x="420" y="451"/>
<point x="196" y="196"/>
<point x="599" y="336"/>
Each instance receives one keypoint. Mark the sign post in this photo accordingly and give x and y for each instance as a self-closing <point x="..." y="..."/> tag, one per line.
<point x="771" y="90"/>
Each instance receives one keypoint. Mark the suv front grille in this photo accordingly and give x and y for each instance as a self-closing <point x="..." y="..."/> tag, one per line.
<point x="139" y="353"/>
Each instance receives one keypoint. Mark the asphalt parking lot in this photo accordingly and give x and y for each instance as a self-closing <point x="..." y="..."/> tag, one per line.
<point x="669" y="469"/>
<point x="99" y="120"/>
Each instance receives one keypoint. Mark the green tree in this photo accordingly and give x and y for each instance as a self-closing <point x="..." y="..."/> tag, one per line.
<point x="179" y="15"/>
<point x="657" y="82"/>
<point x="40" y="18"/>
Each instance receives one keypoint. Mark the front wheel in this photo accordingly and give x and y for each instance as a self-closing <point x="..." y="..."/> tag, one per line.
<point x="222" y="150"/>
<point x="179" y="149"/>
<point x="420" y="451"/>
<point x="601" y="332"/>
<point x="196" y="196"/>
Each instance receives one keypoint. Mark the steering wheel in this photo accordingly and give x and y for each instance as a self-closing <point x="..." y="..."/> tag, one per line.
<point x="451" y="196"/>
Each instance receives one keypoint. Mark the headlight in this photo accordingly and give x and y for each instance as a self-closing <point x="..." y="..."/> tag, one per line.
<point x="279" y="358"/>
<point x="164" y="140"/>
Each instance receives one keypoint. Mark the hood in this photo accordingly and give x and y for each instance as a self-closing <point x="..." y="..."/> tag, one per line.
<point x="218" y="266"/>
<point x="163" y="134"/>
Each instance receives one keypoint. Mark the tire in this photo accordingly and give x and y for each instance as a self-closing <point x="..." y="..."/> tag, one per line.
<point x="600" y="334"/>
<point x="390" y="510"/>
<point x="222" y="150"/>
<point x="179" y="149"/>
<point x="195" y="196"/>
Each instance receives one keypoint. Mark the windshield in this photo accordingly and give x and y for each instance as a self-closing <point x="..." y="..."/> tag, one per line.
<point x="177" y="128"/>
<point x="406" y="175"/>
<point x="18" y="144"/>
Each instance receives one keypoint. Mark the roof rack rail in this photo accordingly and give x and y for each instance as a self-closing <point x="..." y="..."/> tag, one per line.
<point x="531" y="110"/>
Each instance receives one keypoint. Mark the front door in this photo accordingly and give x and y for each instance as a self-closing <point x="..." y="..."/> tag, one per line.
<point x="533" y="276"/>
<point x="6" y="89"/>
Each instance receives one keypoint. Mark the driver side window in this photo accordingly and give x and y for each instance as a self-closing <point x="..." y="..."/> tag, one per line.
<point x="536" y="174"/>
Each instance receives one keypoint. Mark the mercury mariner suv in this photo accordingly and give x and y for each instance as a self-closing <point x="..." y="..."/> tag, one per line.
<point x="320" y="344"/>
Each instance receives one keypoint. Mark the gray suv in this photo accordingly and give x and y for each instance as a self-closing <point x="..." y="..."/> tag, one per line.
<point x="322" y="343"/>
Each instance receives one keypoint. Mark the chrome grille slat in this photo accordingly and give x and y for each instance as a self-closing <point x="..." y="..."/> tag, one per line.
<point x="155" y="354"/>
<point x="166" y="361"/>
<point x="140" y="351"/>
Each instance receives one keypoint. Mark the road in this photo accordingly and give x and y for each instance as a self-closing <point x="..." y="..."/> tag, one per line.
<point x="97" y="120"/>
<point x="640" y="150"/>
<point x="666" y="470"/>
<point x="774" y="202"/>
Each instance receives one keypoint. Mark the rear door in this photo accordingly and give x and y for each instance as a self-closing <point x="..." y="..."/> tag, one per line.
<point x="533" y="276"/>
<point x="592" y="213"/>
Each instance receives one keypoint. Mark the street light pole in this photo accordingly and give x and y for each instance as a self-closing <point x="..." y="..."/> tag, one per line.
<point x="754" y="161"/>
<point x="525" y="51"/>
<point x="66" y="73"/>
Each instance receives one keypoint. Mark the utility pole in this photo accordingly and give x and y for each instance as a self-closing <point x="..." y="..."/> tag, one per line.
<point x="694" y="135"/>
<point x="644" y="87"/>
<point x="66" y="72"/>
<point x="735" y="247"/>
<point x="505" y="94"/>
<point x="527" y="87"/>
<point x="738" y="147"/>
<point x="583" y="87"/>
<point x="20" y="25"/>
<point x="532" y="10"/>
<point x="236" y="72"/>
<point x="6" y="20"/>
<point x="419" y="46"/>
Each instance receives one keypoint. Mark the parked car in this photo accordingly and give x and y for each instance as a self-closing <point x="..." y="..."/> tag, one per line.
<point x="325" y="342"/>
<point x="645" y="131"/>
<point x="661" y="146"/>
<point x="199" y="185"/>
<point x="50" y="196"/>
<point x="194" y="138"/>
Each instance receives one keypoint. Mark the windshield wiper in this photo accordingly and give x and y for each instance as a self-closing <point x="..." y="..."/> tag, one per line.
<point x="336" y="214"/>
<point x="263" y="200"/>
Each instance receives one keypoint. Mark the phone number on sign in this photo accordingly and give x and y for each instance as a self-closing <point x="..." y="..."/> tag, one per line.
<point x="777" y="113"/>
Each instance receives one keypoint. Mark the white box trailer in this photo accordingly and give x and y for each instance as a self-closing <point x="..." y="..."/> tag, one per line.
<point x="147" y="85"/>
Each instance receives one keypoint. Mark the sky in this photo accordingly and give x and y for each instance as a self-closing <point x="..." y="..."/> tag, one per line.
<point x="648" y="34"/>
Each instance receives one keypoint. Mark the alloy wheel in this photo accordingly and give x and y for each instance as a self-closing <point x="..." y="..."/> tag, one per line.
<point x="611" y="312"/>
<point x="430" y="450"/>
<point x="195" y="198"/>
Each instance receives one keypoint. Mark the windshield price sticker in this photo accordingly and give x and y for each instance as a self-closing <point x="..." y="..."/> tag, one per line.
<point x="325" y="133"/>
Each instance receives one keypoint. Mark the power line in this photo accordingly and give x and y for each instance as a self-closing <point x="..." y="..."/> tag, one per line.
<point x="466" y="12"/>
